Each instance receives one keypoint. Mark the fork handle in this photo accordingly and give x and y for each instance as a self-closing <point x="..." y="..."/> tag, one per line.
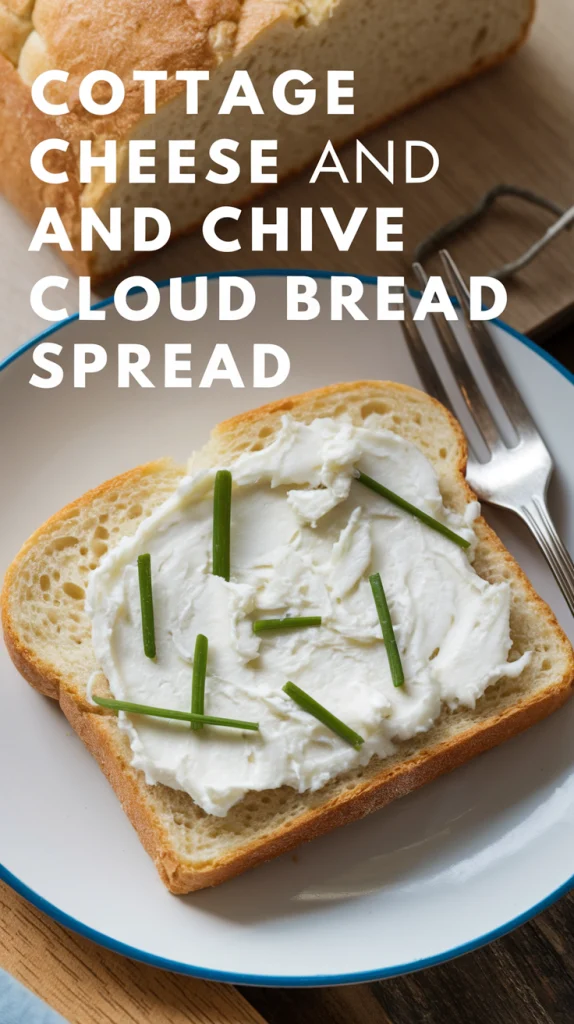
<point x="536" y="516"/>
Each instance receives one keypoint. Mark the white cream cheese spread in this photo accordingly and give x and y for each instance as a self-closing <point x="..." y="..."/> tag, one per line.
<point x="305" y="535"/>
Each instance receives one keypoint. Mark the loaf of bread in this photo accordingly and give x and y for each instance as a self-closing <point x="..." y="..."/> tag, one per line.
<point x="401" y="51"/>
<point x="48" y="635"/>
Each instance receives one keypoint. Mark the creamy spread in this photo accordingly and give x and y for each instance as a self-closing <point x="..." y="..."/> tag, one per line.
<point x="305" y="535"/>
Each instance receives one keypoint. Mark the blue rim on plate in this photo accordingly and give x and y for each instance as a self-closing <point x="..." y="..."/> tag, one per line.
<point x="231" y="977"/>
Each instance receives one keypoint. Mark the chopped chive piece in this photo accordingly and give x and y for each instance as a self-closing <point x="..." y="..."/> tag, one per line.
<point x="198" y="679"/>
<point x="393" y="655"/>
<point x="180" y="716"/>
<point x="291" y="622"/>
<point x="318" y="711"/>
<point x="146" y="601"/>
<point x="222" y="523"/>
<point x="434" y="524"/>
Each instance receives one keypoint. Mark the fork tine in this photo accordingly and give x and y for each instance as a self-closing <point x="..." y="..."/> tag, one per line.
<point x="419" y="354"/>
<point x="463" y="374"/>
<point x="502" y="382"/>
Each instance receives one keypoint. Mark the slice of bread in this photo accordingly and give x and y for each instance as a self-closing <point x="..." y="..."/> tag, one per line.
<point x="401" y="52"/>
<point x="48" y="636"/>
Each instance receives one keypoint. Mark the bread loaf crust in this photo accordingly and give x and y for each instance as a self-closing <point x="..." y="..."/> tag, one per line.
<point x="386" y="779"/>
<point x="82" y="35"/>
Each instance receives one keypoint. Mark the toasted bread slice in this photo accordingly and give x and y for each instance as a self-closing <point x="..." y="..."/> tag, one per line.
<point x="49" y="639"/>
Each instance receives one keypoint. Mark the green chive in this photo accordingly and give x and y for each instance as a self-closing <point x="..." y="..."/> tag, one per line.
<point x="434" y="524"/>
<point x="221" y="523"/>
<point x="146" y="601"/>
<point x="393" y="655"/>
<point x="318" y="711"/>
<point x="291" y="622"/>
<point x="179" y="716"/>
<point x="198" y="680"/>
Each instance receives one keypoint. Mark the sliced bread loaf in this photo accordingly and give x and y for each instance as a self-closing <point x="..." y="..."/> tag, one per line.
<point x="401" y="52"/>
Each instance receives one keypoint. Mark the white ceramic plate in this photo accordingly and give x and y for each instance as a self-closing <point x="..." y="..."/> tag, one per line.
<point x="435" y="874"/>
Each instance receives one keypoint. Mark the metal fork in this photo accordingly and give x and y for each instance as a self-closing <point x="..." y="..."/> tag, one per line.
<point x="513" y="477"/>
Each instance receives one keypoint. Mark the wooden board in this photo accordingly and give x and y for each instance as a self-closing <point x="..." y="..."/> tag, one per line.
<point x="89" y="985"/>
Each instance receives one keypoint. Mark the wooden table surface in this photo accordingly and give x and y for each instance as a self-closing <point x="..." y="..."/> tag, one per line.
<point x="515" y="124"/>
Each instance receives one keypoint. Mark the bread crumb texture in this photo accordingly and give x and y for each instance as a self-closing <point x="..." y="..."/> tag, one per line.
<point x="48" y="593"/>
<point x="48" y="635"/>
